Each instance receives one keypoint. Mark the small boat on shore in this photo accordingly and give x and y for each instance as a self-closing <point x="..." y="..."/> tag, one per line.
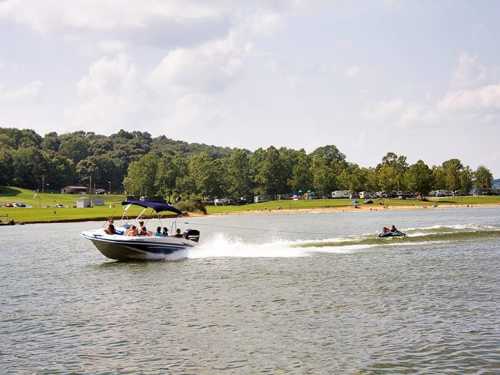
<point x="123" y="247"/>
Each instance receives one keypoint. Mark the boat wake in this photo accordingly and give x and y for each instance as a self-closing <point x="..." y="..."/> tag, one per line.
<point x="415" y="236"/>
<point x="223" y="246"/>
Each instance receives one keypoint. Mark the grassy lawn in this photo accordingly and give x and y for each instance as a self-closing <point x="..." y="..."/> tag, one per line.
<point x="310" y="204"/>
<point x="43" y="200"/>
<point x="483" y="199"/>
<point x="283" y="205"/>
<point x="43" y="207"/>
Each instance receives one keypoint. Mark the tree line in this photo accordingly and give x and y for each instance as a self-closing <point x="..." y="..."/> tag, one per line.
<point x="139" y="164"/>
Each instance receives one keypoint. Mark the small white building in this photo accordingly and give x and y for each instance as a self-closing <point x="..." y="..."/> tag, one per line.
<point x="341" y="194"/>
<point x="83" y="203"/>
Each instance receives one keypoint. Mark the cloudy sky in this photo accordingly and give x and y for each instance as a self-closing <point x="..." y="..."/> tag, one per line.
<point x="420" y="78"/>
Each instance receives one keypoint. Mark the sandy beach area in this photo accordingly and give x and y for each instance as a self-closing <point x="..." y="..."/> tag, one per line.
<point x="360" y="208"/>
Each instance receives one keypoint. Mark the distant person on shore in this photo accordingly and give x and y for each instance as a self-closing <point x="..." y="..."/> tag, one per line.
<point x="165" y="232"/>
<point x="110" y="228"/>
<point x="158" y="232"/>
<point x="132" y="231"/>
<point x="178" y="233"/>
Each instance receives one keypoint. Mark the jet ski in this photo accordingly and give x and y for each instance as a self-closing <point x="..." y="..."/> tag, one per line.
<point x="395" y="233"/>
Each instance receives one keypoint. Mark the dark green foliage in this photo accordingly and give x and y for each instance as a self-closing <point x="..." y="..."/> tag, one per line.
<point x="483" y="178"/>
<point x="180" y="171"/>
<point x="194" y="205"/>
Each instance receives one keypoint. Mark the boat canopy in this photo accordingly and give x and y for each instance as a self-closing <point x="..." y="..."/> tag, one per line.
<point x="157" y="205"/>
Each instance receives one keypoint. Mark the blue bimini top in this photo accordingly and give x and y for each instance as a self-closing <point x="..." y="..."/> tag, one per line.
<point x="157" y="205"/>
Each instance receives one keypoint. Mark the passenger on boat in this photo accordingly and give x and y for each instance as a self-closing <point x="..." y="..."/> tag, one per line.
<point x="394" y="229"/>
<point x="386" y="230"/>
<point x="158" y="232"/>
<point x="178" y="233"/>
<point x="143" y="231"/>
<point x="132" y="231"/>
<point x="165" y="232"/>
<point x="110" y="228"/>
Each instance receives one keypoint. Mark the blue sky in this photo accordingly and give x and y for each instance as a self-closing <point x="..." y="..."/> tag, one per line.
<point x="420" y="78"/>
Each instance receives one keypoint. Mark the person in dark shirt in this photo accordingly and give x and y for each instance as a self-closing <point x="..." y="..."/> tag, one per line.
<point x="178" y="233"/>
<point x="110" y="228"/>
<point x="143" y="231"/>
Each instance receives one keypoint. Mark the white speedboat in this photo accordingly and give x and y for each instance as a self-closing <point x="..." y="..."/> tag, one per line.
<point x="120" y="246"/>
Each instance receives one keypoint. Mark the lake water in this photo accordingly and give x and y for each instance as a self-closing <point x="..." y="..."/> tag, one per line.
<point x="276" y="294"/>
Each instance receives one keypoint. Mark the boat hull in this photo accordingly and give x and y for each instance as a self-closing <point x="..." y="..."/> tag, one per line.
<point x="140" y="248"/>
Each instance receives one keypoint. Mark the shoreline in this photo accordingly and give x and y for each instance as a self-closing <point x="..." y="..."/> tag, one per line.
<point x="285" y="211"/>
<point x="341" y="209"/>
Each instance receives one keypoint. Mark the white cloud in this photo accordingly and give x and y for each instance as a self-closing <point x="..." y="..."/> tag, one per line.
<point x="24" y="93"/>
<point x="401" y="113"/>
<point x="482" y="99"/>
<point x="208" y="68"/>
<point x="352" y="71"/>
<point x="182" y="88"/>
<point x="111" y="46"/>
<point x="469" y="72"/>
<point x="102" y="15"/>
<point x="109" y="95"/>
<point x="474" y="89"/>
<point x="384" y="109"/>
<point x="107" y="76"/>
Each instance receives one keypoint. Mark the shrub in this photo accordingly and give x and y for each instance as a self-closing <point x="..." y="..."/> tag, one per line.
<point x="193" y="205"/>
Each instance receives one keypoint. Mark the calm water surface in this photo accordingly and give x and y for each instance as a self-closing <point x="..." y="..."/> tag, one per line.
<point x="277" y="294"/>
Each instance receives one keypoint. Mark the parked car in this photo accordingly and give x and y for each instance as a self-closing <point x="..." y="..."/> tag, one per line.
<point x="19" y="204"/>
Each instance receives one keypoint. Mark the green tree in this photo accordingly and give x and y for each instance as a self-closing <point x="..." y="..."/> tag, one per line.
<point x="30" y="168"/>
<point x="353" y="178"/>
<point x="239" y="176"/>
<point x="419" y="178"/>
<point x="302" y="178"/>
<point x="452" y="170"/>
<point x="483" y="179"/>
<point x="438" y="178"/>
<point x="141" y="176"/>
<point x="74" y="147"/>
<point x="51" y="142"/>
<point x="6" y="168"/>
<point x="390" y="172"/>
<point x="466" y="180"/>
<point x="269" y="172"/>
<point x="324" y="176"/>
<point x="208" y="175"/>
<point x="60" y="172"/>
